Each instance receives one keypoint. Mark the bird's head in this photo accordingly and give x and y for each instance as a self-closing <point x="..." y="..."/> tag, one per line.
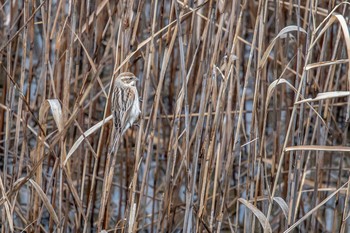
<point x="127" y="78"/>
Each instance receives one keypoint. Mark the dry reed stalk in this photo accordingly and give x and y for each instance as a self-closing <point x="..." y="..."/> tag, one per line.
<point x="244" y="127"/>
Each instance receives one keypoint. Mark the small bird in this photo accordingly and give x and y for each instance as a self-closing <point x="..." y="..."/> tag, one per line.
<point x="125" y="108"/>
<point x="125" y="102"/>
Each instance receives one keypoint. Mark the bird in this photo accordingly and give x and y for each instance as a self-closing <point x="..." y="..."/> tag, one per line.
<point x="125" y="105"/>
<point x="125" y="108"/>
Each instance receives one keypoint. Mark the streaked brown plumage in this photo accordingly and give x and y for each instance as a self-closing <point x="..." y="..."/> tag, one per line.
<point x="125" y="102"/>
<point x="125" y="108"/>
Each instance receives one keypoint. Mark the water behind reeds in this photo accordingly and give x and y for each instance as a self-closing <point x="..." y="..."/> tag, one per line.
<point x="244" y="126"/>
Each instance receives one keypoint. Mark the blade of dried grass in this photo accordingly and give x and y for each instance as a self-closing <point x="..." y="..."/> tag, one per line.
<point x="83" y="137"/>
<point x="346" y="35"/>
<point x="7" y="205"/>
<point x="283" y="205"/>
<point x="325" y="63"/>
<point x="330" y="14"/>
<point x="318" y="148"/>
<point x="272" y="87"/>
<point x="261" y="217"/>
<point x="56" y="110"/>
<point x="284" y="31"/>
<point x="325" y="95"/>
<point x="286" y="140"/>
<point x="45" y="200"/>
<point x="291" y="228"/>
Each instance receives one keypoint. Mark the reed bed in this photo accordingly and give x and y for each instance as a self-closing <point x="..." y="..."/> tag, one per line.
<point x="244" y="124"/>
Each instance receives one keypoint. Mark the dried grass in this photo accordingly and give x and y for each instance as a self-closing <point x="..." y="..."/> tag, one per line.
<point x="244" y="126"/>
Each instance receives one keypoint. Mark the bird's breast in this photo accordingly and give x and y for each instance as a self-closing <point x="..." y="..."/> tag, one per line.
<point x="135" y="110"/>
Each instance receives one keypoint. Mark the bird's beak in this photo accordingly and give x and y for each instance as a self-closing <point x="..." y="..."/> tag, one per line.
<point x="136" y="79"/>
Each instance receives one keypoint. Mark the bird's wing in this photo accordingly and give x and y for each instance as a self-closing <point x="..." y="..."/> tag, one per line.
<point x="123" y="99"/>
<point x="130" y="99"/>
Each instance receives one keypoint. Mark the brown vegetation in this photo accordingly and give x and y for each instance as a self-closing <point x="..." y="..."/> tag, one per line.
<point x="244" y="126"/>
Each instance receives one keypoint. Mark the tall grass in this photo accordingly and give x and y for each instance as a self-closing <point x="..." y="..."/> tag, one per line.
<point x="244" y="126"/>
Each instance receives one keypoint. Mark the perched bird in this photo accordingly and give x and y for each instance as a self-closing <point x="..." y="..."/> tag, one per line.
<point x="125" y="108"/>
<point x="125" y="102"/>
